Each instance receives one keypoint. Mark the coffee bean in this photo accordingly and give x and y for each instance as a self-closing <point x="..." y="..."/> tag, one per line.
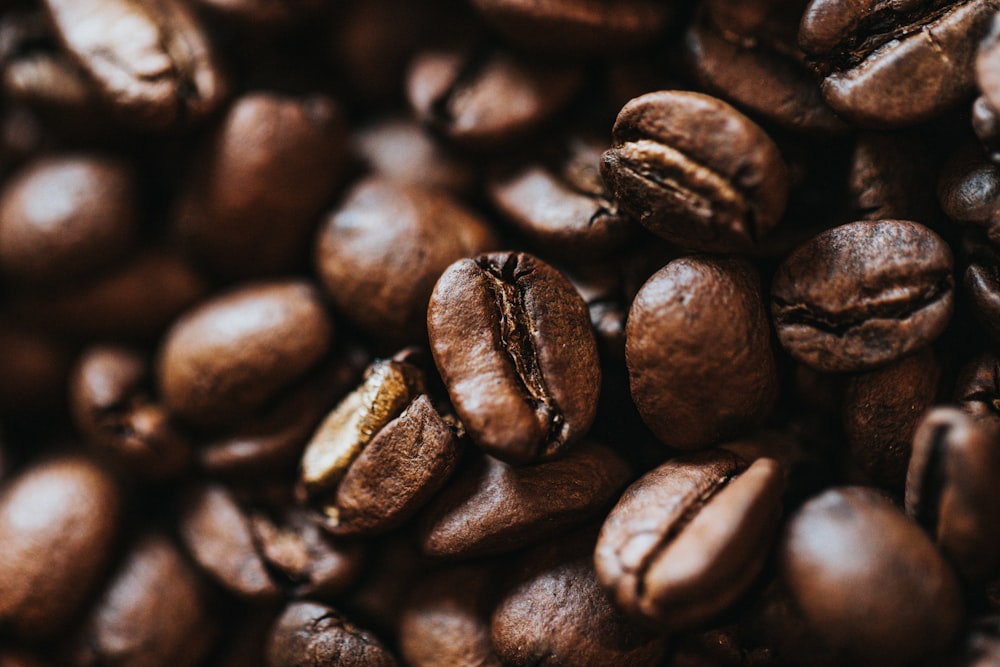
<point x="870" y="54"/>
<point x="152" y="62"/>
<point x="230" y="355"/>
<point x="977" y="388"/>
<point x="950" y="488"/>
<point x="695" y="171"/>
<point x="987" y="65"/>
<point x="312" y="635"/>
<point x="65" y="217"/>
<point x="863" y="294"/>
<point x="848" y="557"/>
<point x="492" y="507"/>
<point x="381" y="251"/>
<point x="512" y="341"/>
<point x="681" y="349"/>
<point x="58" y="522"/>
<point x="890" y="178"/>
<point x="687" y="540"/>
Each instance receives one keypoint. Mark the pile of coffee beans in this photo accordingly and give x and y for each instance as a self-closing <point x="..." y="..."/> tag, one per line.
<point x="483" y="333"/>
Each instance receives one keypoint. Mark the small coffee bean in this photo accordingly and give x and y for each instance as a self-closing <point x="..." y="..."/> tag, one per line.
<point x="380" y="252"/>
<point x="273" y="158"/>
<point x="870" y="53"/>
<point x="58" y="522"/>
<point x="484" y="101"/>
<point x="65" y="217"/>
<point x="232" y="354"/>
<point x="491" y="507"/>
<point x="555" y="613"/>
<point x="151" y="59"/>
<point x="863" y="294"/>
<point x="312" y="635"/>
<point x="977" y="388"/>
<point x="512" y="341"/>
<point x="687" y="540"/>
<point x="155" y="612"/>
<point x="968" y="189"/>
<point x="867" y="581"/>
<point x="890" y="178"/>
<point x="681" y="349"/>
<point x="695" y="171"/>
<point x="951" y="490"/>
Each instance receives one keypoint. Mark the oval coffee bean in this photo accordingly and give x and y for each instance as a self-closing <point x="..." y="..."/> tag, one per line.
<point x="66" y="216"/>
<point x="863" y="294"/>
<point x="870" y="53"/>
<point x="695" y="171"/>
<point x="689" y="538"/>
<point x="867" y="581"/>
<point x="700" y="374"/>
<point x="232" y="354"/>
<point x="492" y="507"/>
<point x="513" y="343"/>
<point x="152" y="60"/>
<point x="951" y="488"/>
<point x="312" y="635"/>
<point x="977" y="388"/>
<point x="58" y="523"/>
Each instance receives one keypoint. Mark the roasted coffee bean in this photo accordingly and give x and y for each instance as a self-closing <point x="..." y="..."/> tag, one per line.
<point x="969" y="189"/>
<point x="555" y="613"/>
<point x="230" y="355"/>
<point x="977" y="388"/>
<point x="381" y="251"/>
<point x="155" y="612"/>
<point x="113" y="408"/>
<point x="446" y="619"/>
<point x="58" y="523"/>
<point x="890" y="178"/>
<point x="687" y="540"/>
<point x="577" y="26"/>
<point x="151" y="60"/>
<point x="950" y="488"/>
<point x="483" y="101"/>
<point x="512" y="341"/>
<point x="870" y="53"/>
<point x="695" y="171"/>
<point x="881" y="411"/>
<point x="563" y="207"/>
<point x="863" y="294"/>
<point x="63" y="217"/>
<point x="747" y="54"/>
<point x="492" y="507"/>
<point x="257" y="556"/>
<point x="117" y="304"/>
<point x="850" y="559"/>
<point x="251" y="200"/>
<point x="312" y="635"/>
<point x="986" y="125"/>
<point x="681" y="349"/>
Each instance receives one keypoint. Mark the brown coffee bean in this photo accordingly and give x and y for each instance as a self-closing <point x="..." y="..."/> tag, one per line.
<point x="154" y="613"/>
<point x="151" y="60"/>
<point x="681" y="349"/>
<point x="969" y="188"/>
<point x="863" y="294"/>
<point x="890" y="178"/>
<point x="695" y="171"/>
<point x="232" y="354"/>
<point x="446" y="619"/>
<point x="512" y="341"/>
<point x="577" y="26"/>
<point x="249" y="204"/>
<point x="977" y="388"/>
<point x="881" y="411"/>
<point x="688" y="539"/>
<point x="555" y="613"/>
<point x="484" y="101"/>
<point x="868" y="582"/>
<point x="312" y="635"/>
<point x="66" y="216"/>
<point x="58" y="522"/>
<point x="951" y="490"/>
<point x="870" y="54"/>
<point x="492" y="507"/>
<point x="380" y="252"/>
<point x="115" y="411"/>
